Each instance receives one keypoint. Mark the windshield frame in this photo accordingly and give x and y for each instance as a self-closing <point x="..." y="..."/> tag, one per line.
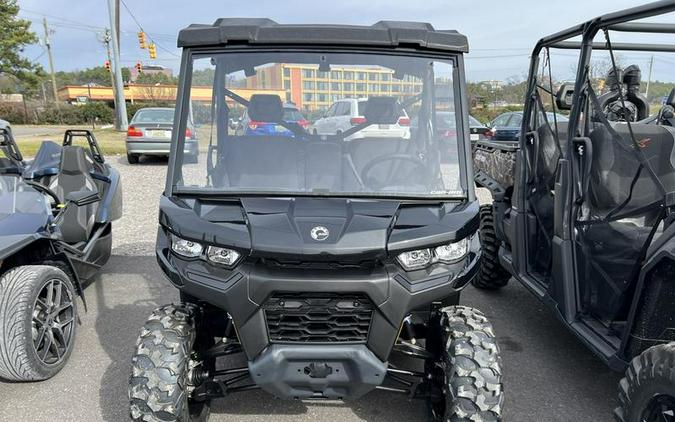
<point x="189" y="55"/>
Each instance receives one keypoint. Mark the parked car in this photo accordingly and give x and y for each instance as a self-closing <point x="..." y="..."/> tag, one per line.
<point x="4" y="124"/>
<point x="150" y="132"/>
<point x="247" y="126"/>
<point x="348" y="112"/>
<point x="506" y="126"/>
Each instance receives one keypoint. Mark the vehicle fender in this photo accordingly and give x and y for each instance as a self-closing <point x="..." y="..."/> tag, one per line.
<point x="11" y="244"/>
<point x="111" y="205"/>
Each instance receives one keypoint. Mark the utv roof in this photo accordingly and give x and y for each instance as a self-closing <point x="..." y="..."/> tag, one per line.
<point x="229" y="31"/>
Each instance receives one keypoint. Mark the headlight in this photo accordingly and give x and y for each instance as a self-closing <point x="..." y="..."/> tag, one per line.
<point x="420" y="258"/>
<point x="413" y="260"/>
<point x="186" y="248"/>
<point x="452" y="252"/>
<point x="222" y="256"/>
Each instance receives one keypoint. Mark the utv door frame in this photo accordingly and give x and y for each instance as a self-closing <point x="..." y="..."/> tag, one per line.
<point x="562" y="291"/>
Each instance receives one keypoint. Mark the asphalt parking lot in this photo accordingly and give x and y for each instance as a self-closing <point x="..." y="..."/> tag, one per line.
<point x="548" y="374"/>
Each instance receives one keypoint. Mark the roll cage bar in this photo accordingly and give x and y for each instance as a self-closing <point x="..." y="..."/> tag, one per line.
<point x="620" y="21"/>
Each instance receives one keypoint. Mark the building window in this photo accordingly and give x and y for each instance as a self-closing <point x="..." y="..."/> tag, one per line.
<point x="322" y="86"/>
<point x="395" y="88"/>
<point x="287" y="72"/>
<point x="322" y="98"/>
<point x="385" y="88"/>
<point x="360" y="87"/>
<point x="287" y="84"/>
<point x="361" y="76"/>
<point x="308" y="73"/>
<point x="386" y="77"/>
<point x="335" y="86"/>
<point x="349" y="86"/>
<point x="308" y="97"/>
<point x="335" y="74"/>
<point x="288" y="97"/>
<point x="334" y="97"/>
<point x="372" y="76"/>
<point x="349" y="75"/>
<point x="309" y="85"/>
<point x="322" y="75"/>
<point x="373" y="87"/>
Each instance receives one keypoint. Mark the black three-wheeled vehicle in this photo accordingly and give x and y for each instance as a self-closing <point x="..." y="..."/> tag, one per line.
<point x="583" y="211"/>
<point x="320" y="257"/>
<point x="55" y="234"/>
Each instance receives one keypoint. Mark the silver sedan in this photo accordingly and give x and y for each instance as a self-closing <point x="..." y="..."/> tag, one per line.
<point x="150" y="132"/>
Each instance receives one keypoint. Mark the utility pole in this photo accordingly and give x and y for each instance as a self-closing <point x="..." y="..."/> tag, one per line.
<point x="117" y="20"/>
<point x="122" y="123"/>
<point x="106" y="40"/>
<point x="51" y="61"/>
<point x="649" y="81"/>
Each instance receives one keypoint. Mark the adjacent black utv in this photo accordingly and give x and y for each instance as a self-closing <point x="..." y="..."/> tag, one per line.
<point x="583" y="211"/>
<point x="320" y="256"/>
<point x="55" y="234"/>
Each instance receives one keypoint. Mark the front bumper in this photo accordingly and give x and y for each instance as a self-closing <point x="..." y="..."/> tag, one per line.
<point x="153" y="147"/>
<point x="326" y="371"/>
<point x="242" y="291"/>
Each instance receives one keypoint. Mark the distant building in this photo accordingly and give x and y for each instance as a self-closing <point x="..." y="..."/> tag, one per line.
<point x="149" y="93"/>
<point x="311" y="89"/>
<point x="150" y="70"/>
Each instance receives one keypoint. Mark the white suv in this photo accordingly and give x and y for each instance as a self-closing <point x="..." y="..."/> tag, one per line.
<point x="348" y="112"/>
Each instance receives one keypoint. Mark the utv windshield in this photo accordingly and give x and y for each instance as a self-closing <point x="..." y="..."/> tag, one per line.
<point x="350" y="136"/>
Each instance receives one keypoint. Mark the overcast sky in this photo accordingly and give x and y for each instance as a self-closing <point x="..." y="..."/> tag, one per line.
<point x="501" y="33"/>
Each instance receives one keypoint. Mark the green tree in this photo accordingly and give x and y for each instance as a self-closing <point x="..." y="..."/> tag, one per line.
<point x="15" y="34"/>
<point x="155" y="78"/>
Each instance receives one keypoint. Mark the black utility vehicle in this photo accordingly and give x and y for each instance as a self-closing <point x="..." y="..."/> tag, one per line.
<point x="317" y="257"/>
<point x="583" y="210"/>
<point x="55" y="234"/>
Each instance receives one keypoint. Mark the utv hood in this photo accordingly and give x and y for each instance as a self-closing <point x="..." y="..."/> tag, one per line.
<point x="320" y="229"/>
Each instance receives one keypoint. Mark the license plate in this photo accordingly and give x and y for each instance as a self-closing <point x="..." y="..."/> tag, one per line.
<point x="163" y="134"/>
<point x="474" y="136"/>
<point x="383" y="127"/>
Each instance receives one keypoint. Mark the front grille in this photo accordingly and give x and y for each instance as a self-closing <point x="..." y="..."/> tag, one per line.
<point x="318" y="318"/>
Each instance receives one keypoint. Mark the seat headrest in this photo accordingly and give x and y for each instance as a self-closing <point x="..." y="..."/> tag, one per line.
<point x="671" y="98"/>
<point x="73" y="160"/>
<point x="266" y="108"/>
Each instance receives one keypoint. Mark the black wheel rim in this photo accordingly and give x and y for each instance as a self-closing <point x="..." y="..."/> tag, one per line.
<point x="660" y="408"/>
<point x="52" y="322"/>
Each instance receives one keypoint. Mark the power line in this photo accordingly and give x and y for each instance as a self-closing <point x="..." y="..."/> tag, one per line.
<point x="141" y="28"/>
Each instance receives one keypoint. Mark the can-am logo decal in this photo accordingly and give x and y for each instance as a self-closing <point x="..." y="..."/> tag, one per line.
<point x="319" y="233"/>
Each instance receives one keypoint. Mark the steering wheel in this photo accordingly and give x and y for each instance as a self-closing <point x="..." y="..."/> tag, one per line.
<point x="419" y="164"/>
<point x="44" y="189"/>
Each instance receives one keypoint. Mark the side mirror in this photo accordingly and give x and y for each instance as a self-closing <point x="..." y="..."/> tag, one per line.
<point x="563" y="98"/>
<point x="668" y="112"/>
<point x="82" y="197"/>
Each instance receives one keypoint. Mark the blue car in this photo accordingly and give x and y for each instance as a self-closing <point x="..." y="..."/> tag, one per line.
<point x="506" y="126"/>
<point x="248" y="127"/>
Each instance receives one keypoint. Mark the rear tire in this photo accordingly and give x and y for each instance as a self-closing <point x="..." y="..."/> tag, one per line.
<point x="158" y="386"/>
<point x="467" y="371"/>
<point x="132" y="158"/>
<point x="647" y="392"/>
<point x="38" y="322"/>
<point x="491" y="275"/>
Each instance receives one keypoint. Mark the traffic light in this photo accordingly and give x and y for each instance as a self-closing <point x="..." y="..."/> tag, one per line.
<point x="139" y="67"/>
<point x="141" y="40"/>
<point x="153" y="50"/>
<point x="107" y="65"/>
